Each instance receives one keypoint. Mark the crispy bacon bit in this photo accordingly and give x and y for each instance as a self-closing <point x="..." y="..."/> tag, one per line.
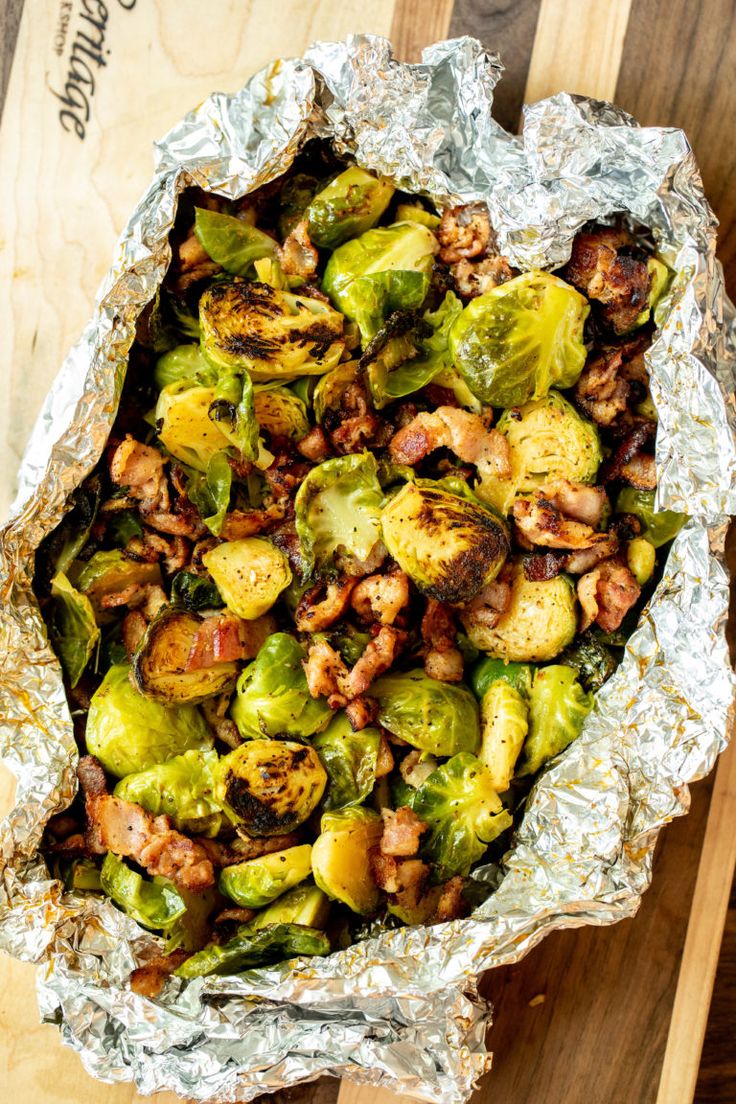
<point x="576" y="563"/>
<point x="456" y="429"/>
<point x="577" y="500"/>
<point x="285" y="537"/>
<point x="416" y="767"/>
<point x="315" y="446"/>
<point x="385" y="870"/>
<point x="464" y="231"/>
<point x="490" y="604"/>
<point x="381" y="597"/>
<point x="239" y="524"/>
<point x="133" y="630"/>
<point x="91" y="776"/>
<point x="539" y="568"/>
<point x="73" y="847"/>
<point x="601" y="266"/>
<point x="148" y="980"/>
<point x="140" y="468"/>
<point x="443" y="660"/>
<point x="541" y="523"/>
<point x="607" y="594"/>
<point x="298" y="256"/>
<point x="243" y="848"/>
<point x="402" y="831"/>
<point x="375" y="660"/>
<point x="193" y="263"/>
<point x="149" y="598"/>
<point x="351" y="565"/>
<point x="384" y="758"/>
<point x="235" y="916"/>
<point x="285" y="476"/>
<point x="361" y="712"/>
<point x="451" y="905"/>
<point x="639" y="434"/>
<point x="326" y="672"/>
<point x="327" y="675"/>
<point x="353" y="434"/>
<point x="152" y="547"/>
<point x="215" y="713"/>
<point x="640" y="471"/>
<point x="601" y="391"/>
<point x="473" y="278"/>
<point x="412" y="875"/>
<point x="223" y="638"/>
<point x="315" y="613"/>
<point x="180" y="523"/>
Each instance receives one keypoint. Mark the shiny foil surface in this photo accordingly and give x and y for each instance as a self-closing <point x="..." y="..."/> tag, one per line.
<point x="400" y="1010"/>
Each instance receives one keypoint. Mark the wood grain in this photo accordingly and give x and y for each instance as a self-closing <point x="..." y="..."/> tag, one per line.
<point x="577" y="48"/>
<point x="717" y="1075"/>
<point x="416" y="24"/>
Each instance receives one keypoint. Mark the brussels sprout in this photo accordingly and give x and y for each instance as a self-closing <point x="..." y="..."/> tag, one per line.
<point x="258" y="882"/>
<point x="269" y="332"/>
<point x="273" y="698"/>
<point x="210" y="492"/>
<point x="182" y="788"/>
<point x="420" y="913"/>
<point x="518" y="340"/>
<point x="306" y="905"/>
<point x="83" y="874"/>
<point x="184" y="364"/>
<point x="488" y="671"/>
<point x="659" y="275"/>
<point x="281" y="413"/>
<point x="231" y="242"/>
<point x="540" y="621"/>
<point x="340" y="858"/>
<point x="547" y="440"/>
<point x="62" y="546"/>
<point x="412" y="212"/>
<point x="129" y="733"/>
<point x="233" y="409"/>
<point x="185" y="427"/>
<point x="450" y="547"/>
<point x="155" y="904"/>
<point x="439" y="717"/>
<point x="270" y="786"/>
<point x="161" y="662"/>
<point x="123" y="526"/>
<point x="73" y="629"/>
<point x="255" y="947"/>
<point x="660" y="526"/>
<point x="593" y="661"/>
<point x="332" y="386"/>
<point x="338" y="508"/>
<point x="384" y="269"/>
<point x="109" y="573"/>
<point x="641" y="558"/>
<point x="464" y="814"/>
<point x="195" y="592"/>
<point x="192" y="930"/>
<point x="350" y="760"/>
<point x="295" y="197"/>
<point x="249" y="574"/>
<point x="350" y="204"/>
<point x="504" y="725"/>
<point x="558" y="706"/>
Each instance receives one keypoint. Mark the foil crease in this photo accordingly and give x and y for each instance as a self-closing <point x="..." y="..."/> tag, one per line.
<point x="402" y="1009"/>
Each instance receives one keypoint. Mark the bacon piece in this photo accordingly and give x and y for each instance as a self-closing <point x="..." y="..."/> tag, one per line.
<point x="298" y="256"/>
<point x="577" y="500"/>
<point x="239" y="524"/>
<point x="140" y="468"/>
<point x="601" y="266"/>
<point x="180" y="523"/>
<point x="464" y="231"/>
<point x="149" y="598"/>
<point x="381" y="597"/>
<point x="315" y="614"/>
<point x="538" y="568"/>
<point x="235" y="916"/>
<point x="315" y="446"/>
<point x="577" y="563"/>
<point x="473" y="278"/>
<point x="351" y="565"/>
<point x="241" y="849"/>
<point x="384" y="870"/>
<point x="639" y="434"/>
<point x="152" y="546"/>
<point x="223" y="638"/>
<point x="215" y="713"/>
<point x="193" y="263"/>
<point x="402" y="831"/>
<point x="601" y="391"/>
<point x="353" y="434"/>
<point x="148" y="980"/>
<point x="541" y="523"/>
<point x="607" y="594"/>
<point x="640" y="471"/>
<point x="375" y="660"/>
<point x="326" y="672"/>
<point x="463" y="433"/>
<point x="490" y="604"/>
<point x="91" y="776"/>
<point x="451" y="905"/>
<point x="285" y="476"/>
<point x="443" y="660"/>
<point x="361" y="712"/>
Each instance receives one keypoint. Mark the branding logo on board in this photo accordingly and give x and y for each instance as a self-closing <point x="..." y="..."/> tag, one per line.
<point x="80" y="38"/>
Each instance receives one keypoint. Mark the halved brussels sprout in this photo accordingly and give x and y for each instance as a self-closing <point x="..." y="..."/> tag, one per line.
<point x="520" y="339"/>
<point x="249" y="574"/>
<point x="74" y="630"/>
<point x="660" y="526"/>
<point x="270" y="786"/>
<point x="464" y="814"/>
<point x="109" y="573"/>
<point x="332" y="386"/>
<point x="191" y="931"/>
<point x="273" y="698"/>
<point x="350" y="760"/>
<point x="258" y="882"/>
<point x="338" y="508"/>
<point x="269" y="332"/>
<point x="231" y="242"/>
<point x="547" y="440"/>
<point x="254" y="947"/>
<point x="383" y="270"/>
<point x="185" y="427"/>
<point x="439" y="717"/>
<point x="539" y="623"/>
<point x="306" y="905"/>
<point x="487" y="671"/>
<point x="155" y="904"/>
<point x="449" y="546"/>
<point x="413" y="212"/>
<point x="340" y="858"/>
<point x="161" y="662"/>
<point x="641" y="558"/>
<point x="504" y="721"/>
<point x="558" y="706"/>
<point x="350" y="204"/>
<point x="281" y="413"/>
<point x="129" y="733"/>
<point x="182" y="787"/>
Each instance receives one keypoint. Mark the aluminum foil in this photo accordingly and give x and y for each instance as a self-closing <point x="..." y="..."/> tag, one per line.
<point x="401" y="1010"/>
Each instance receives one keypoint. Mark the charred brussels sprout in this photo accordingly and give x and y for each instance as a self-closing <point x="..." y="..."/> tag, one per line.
<point x="182" y="787"/>
<point x="306" y="905"/>
<point x="450" y="547"/>
<point x="109" y="573"/>
<point x="270" y="787"/>
<point x="384" y="270"/>
<point x="231" y="242"/>
<point x="464" y="814"/>
<point x="547" y="440"/>
<point x="195" y="592"/>
<point x="520" y="339"/>
<point x="660" y="526"/>
<point x="162" y="668"/>
<point x="593" y="661"/>
<point x="439" y="717"/>
<point x="538" y="624"/>
<point x="487" y="671"/>
<point x="340" y="861"/>
<point x="350" y="204"/>
<point x="558" y="706"/>
<point x="270" y="333"/>
<point x="185" y="427"/>
<point x="155" y="904"/>
<point x="504" y="725"/>
<point x="338" y="508"/>
<point x="273" y="698"/>
<point x="255" y="947"/>
<point x="350" y="760"/>
<point x="128" y="732"/>
<point x="258" y="882"/>
<point x="74" y="630"/>
<point x="281" y="413"/>
<point x="249" y="574"/>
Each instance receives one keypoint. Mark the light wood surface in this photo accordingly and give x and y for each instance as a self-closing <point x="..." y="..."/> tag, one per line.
<point x="600" y="1033"/>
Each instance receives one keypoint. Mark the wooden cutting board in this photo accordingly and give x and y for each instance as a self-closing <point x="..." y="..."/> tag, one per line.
<point x="590" y="1017"/>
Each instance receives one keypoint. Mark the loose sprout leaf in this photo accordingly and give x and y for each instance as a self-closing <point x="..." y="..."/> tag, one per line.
<point x="558" y="706"/>
<point x="488" y="671"/>
<point x="338" y="506"/>
<point x="272" y="696"/>
<point x="74" y="630"/>
<point x="295" y="197"/>
<point x="210" y="493"/>
<point x="61" y="548"/>
<point x="520" y="339"/>
<point x="155" y="904"/>
<point x="350" y="761"/>
<point x="182" y="788"/>
<point x="195" y="592"/>
<point x="464" y="814"/>
<point x="659" y="526"/>
<point x="350" y="204"/>
<point x="183" y="363"/>
<point x="593" y="660"/>
<point x="255" y="947"/>
<point x="439" y="717"/>
<point x="123" y="526"/>
<point x="231" y="242"/>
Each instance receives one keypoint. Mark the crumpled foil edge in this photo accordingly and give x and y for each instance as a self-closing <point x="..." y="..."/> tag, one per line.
<point x="401" y="1010"/>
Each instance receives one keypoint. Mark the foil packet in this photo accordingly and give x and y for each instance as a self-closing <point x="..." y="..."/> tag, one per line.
<point x="401" y="1010"/>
